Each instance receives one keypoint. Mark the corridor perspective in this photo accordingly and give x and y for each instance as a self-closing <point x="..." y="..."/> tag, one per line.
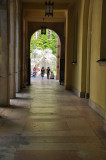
<point x="46" y="122"/>
<point x="63" y="119"/>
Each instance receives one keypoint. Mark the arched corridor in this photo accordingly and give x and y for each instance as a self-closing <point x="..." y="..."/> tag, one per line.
<point x="47" y="122"/>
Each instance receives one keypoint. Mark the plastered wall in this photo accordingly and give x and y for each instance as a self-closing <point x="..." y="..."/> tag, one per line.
<point x="87" y="76"/>
<point x="75" y="70"/>
<point x="97" y="71"/>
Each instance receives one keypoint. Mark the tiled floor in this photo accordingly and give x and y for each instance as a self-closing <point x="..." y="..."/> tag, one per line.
<point x="46" y="122"/>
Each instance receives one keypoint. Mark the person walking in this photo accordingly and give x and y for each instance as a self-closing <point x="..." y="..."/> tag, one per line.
<point x="48" y="72"/>
<point x="34" y="71"/>
<point x="42" y="72"/>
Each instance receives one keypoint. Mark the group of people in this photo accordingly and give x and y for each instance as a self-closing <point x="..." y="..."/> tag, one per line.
<point x="50" y="74"/>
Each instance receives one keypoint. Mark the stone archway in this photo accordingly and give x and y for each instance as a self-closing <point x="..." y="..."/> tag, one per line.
<point x="33" y="27"/>
<point x="54" y="64"/>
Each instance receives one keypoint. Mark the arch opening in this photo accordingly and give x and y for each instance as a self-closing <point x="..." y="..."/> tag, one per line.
<point x="45" y="52"/>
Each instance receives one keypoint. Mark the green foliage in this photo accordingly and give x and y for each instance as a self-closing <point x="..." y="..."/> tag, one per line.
<point x="43" y="41"/>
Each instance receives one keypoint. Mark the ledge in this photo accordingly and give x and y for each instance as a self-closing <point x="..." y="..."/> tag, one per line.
<point x="101" y="61"/>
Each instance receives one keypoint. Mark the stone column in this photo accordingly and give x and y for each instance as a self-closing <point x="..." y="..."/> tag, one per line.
<point x="85" y="63"/>
<point x="23" y="54"/>
<point x="89" y="37"/>
<point x="18" y="46"/>
<point x="4" y="55"/>
<point x="27" y="56"/>
<point x="58" y="57"/>
<point x="68" y="51"/>
<point x="21" y="44"/>
<point x="12" y="54"/>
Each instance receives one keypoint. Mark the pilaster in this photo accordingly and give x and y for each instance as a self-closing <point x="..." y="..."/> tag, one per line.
<point x="58" y="58"/>
<point x="68" y="50"/>
<point x="12" y="54"/>
<point x="18" y="46"/>
<point x="4" y="55"/>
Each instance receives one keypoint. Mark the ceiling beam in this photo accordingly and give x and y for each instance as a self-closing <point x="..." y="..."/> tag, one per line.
<point x="40" y="6"/>
<point x="42" y="13"/>
<point x="39" y="19"/>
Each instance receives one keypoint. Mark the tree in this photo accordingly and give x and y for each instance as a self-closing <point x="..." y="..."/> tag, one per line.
<point x="44" y="42"/>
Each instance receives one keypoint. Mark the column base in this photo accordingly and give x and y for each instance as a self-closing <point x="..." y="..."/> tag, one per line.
<point x="68" y="87"/>
<point x="4" y="91"/>
<point x="97" y="108"/>
<point x="76" y="92"/>
<point x="87" y="95"/>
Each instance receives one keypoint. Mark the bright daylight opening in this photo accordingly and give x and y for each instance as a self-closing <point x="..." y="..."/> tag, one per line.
<point x="43" y="54"/>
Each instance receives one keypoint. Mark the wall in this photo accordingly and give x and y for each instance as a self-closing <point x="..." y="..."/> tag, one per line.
<point x="103" y="34"/>
<point x="75" y="75"/>
<point x="86" y="76"/>
<point x="97" y="71"/>
<point x="76" y="68"/>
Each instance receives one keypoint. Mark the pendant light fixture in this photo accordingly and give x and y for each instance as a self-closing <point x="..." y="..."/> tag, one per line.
<point x="43" y="30"/>
<point x="49" y="8"/>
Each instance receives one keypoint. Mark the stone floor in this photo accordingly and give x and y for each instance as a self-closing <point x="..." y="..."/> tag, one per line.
<point x="46" y="122"/>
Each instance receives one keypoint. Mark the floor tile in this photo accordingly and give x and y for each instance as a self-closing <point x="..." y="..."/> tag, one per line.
<point x="47" y="122"/>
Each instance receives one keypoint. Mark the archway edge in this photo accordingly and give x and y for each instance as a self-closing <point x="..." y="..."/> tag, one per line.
<point x="58" y="28"/>
<point x="46" y="28"/>
<point x="33" y="27"/>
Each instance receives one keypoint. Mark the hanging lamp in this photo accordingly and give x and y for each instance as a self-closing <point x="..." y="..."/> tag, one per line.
<point x="49" y="8"/>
